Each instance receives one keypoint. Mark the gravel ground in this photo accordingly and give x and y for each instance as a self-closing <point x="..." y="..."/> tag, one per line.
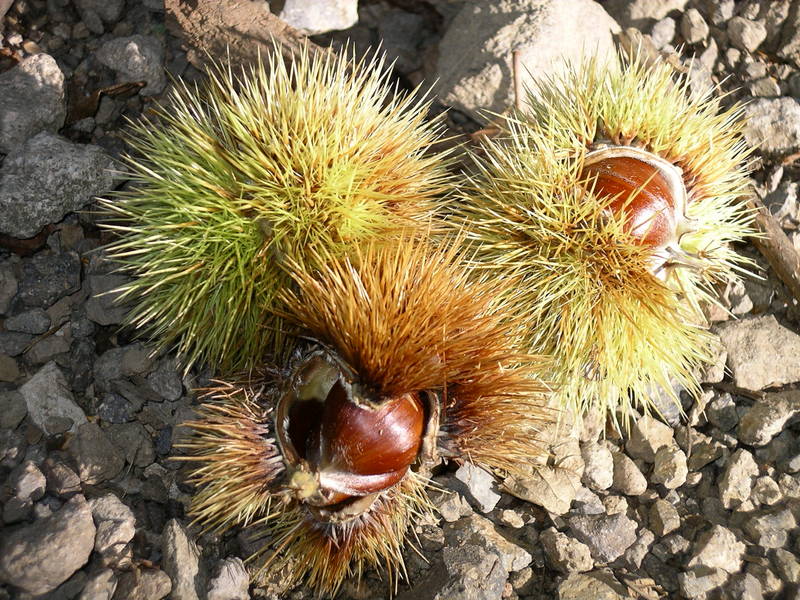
<point x="705" y="506"/>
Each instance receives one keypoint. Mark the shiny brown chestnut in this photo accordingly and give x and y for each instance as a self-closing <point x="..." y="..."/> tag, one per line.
<point x="340" y="444"/>
<point x="647" y="189"/>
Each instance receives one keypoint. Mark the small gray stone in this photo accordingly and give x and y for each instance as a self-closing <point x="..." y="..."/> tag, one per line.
<point x="48" y="277"/>
<point x="14" y="343"/>
<point x="698" y="581"/>
<point x="648" y="435"/>
<point x="61" y="479"/>
<point x="134" y="442"/>
<point x="166" y="381"/>
<point x="39" y="557"/>
<point x="635" y="554"/>
<point x="231" y="581"/>
<point x="9" y="369"/>
<point x="142" y="584"/>
<point x="103" y="307"/>
<point x="664" y="518"/>
<point x="318" y="16"/>
<point x="641" y="13"/>
<point x="766" y="491"/>
<point x="48" y="398"/>
<point x="694" y="28"/>
<point x="114" y="409"/>
<point x="98" y="460"/>
<point x="767" y="417"/>
<point x="565" y="554"/>
<point x="477" y="487"/>
<point x="597" y="585"/>
<point x="101" y="586"/>
<point x="401" y="34"/>
<point x="182" y="562"/>
<point x="718" y="548"/>
<point x="46" y="178"/>
<point x="474" y="67"/>
<point x="135" y="58"/>
<point x="663" y="32"/>
<point x="770" y="529"/>
<point x="115" y="524"/>
<point x="31" y="100"/>
<point x="773" y="126"/>
<point x="721" y="412"/>
<point x="8" y="285"/>
<point x="48" y="347"/>
<point x="743" y="586"/>
<point x="478" y="530"/>
<point x="108" y="10"/>
<point x="787" y="565"/>
<point x="736" y="481"/>
<point x="26" y="482"/>
<point x="34" y="321"/>
<point x="765" y="87"/>
<point x="607" y="536"/>
<point x="628" y="479"/>
<point x="745" y="34"/>
<point x="12" y="409"/>
<point x="669" y="468"/>
<point x="598" y="473"/>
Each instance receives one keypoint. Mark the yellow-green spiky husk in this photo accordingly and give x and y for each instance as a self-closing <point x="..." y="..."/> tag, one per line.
<point x="230" y="179"/>
<point x="616" y="332"/>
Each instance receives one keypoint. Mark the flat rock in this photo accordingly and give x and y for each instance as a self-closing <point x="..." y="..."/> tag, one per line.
<point x="773" y="126"/>
<point x="48" y="177"/>
<point x="597" y="585"/>
<point x="648" y="434"/>
<point x="319" y="16"/>
<point x="768" y="417"/>
<point x="231" y="581"/>
<point x="182" y="562"/>
<point x="697" y="581"/>
<point x="100" y="587"/>
<point x="607" y="536"/>
<point x="31" y="101"/>
<point x="48" y="277"/>
<point x="39" y="557"/>
<point x="136" y="58"/>
<point x="770" y="528"/>
<point x="736" y="481"/>
<point x="565" y="554"/>
<point x="98" y="460"/>
<point x="664" y="518"/>
<point x="718" y="548"/>
<point x="477" y="485"/>
<point x="474" y="71"/>
<point x="115" y="525"/>
<point x="49" y="399"/>
<point x="142" y="584"/>
<point x="761" y="352"/>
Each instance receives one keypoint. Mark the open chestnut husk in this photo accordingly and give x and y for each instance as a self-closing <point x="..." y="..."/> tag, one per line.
<point x="406" y="361"/>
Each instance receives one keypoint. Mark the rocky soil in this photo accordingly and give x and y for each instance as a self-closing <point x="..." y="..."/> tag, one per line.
<point x="703" y="505"/>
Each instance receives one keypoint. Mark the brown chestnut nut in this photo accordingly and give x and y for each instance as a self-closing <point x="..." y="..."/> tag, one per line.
<point x="648" y="190"/>
<point x="341" y="443"/>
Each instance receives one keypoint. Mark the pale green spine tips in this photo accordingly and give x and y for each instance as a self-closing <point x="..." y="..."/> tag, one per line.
<point x="228" y="180"/>
<point x="618" y="328"/>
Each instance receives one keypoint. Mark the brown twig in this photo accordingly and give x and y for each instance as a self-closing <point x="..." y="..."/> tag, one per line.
<point x="776" y="247"/>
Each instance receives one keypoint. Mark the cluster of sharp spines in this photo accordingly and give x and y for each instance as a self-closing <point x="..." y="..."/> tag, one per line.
<point x="300" y="205"/>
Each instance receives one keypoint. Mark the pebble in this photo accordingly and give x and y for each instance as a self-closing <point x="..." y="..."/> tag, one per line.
<point x="743" y="586"/>
<point x="773" y="126"/>
<point x="100" y="587"/>
<point x="49" y="401"/>
<point x="770" y="528"/>
<point x="663" y="32"/>
<point x="477" y="484"/>
<point x="694" y="28"/>
<point x="597" y="585"/>
<point x="766" y="491"/>
<point x="636" y="553"/>
<point x="34" y="321"/>
<point x="12" y="409"/>
<point x="134" y="443"/>
<point x="598" y="473"/>
<point x="767" y="418"/>
<point x="473" y="69"/>
<point x="787" y="566"/>
<point x="698" y="581"/>
<point x="648" y="434"/>
<point x="718" y="548"/>
<point x="61" y="479"/>
<point x="115" y="524"/>
<point x="736" y="481"/>
<point x="565" y="554"/>
<point x="664" y="518"/>
<point x="136" y="58"/>
<point x="103" y="307"/>
<point x="181" y="561"/>
<point x="641" y="13"/>
<point x="670" y="467"/>
<point x="607" y="536"/>
<point x="628" y="479"/>
<point x="48" y="277"/>
<point x="47" y="177"/>
<point x="745" y="34"/>
<point x="8" y="285"/>
<point x="722" y="413"/>
<point x="319" y="16"/>
<point x="142" y="584"/>
<point x="31" y="101"/>
<point x="231" y="581"/>
<point x="39" y="557"/>
<point x="166" y="381"/>
<point x="97" y="459"/>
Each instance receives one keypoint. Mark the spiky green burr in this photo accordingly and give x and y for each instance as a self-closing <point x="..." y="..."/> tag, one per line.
<point x="231" y="178"/>
<point x="620" y="317"/>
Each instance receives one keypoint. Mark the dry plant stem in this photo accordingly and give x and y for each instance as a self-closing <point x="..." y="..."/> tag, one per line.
<point x="776" y="248"/>
<point x="213" y="29"/>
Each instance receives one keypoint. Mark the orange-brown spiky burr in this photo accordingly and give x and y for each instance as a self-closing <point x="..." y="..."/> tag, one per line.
<point x="408" y="360"/>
